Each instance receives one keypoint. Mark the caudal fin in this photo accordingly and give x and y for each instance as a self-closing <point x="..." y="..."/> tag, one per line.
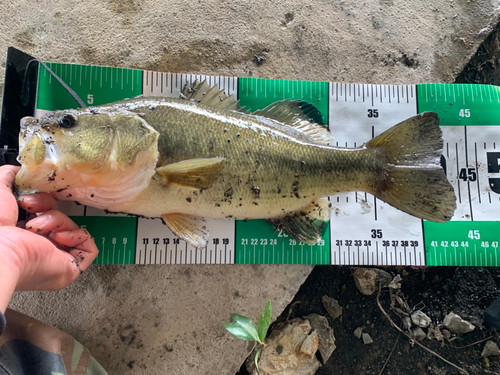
<point x="414" y="181"/>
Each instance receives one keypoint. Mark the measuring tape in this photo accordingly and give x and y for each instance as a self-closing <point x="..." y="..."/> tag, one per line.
<point x="363" y="229"/>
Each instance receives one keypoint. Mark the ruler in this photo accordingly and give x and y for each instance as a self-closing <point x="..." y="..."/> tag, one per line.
<point x="363" y="229"/>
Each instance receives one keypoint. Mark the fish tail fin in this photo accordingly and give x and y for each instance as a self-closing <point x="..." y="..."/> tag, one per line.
<point x="414" y="181"/>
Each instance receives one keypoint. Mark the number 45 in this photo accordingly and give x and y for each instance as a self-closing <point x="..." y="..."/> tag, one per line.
<point x="464" y="113"/>
<point x="474" y="235"/>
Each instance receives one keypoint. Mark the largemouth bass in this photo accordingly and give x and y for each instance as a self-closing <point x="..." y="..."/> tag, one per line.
<point x="204" y="156"/>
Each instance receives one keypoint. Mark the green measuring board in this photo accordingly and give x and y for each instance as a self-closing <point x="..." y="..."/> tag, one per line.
<point x="363" y="230"/>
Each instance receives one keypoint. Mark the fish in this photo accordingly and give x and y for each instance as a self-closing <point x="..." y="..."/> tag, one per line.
<point x="204" y="156"/>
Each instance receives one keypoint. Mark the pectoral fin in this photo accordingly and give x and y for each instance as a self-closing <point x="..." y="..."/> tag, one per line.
<point x="307" y="225"/>
<point x="193" y="173"/>
<point x="192" y="229"/>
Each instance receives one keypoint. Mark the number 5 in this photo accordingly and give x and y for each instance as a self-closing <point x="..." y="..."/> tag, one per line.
<point x="90" y="99"/>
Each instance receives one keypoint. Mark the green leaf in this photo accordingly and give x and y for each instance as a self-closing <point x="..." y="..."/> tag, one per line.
<point x="242" y="327"/>
<point x="264" y="321"/>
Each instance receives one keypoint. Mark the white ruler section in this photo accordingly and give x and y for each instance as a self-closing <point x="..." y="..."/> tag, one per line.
<point x="365" y="230"/>
<point x="170" y="85"/>
<point x="156" y="244"/>
<point x="473" y="166"/>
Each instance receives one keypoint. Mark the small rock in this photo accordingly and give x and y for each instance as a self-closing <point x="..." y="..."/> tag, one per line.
<point x="418" y="334"/>
<point x="456" y="324"/>
<point x="490" y="349"/>
<point x="446" y="333"/>
<point x="358" y="331"/>
<point x="332" y="306"/>
<point x="407" y="322"/>
<point x="367" y="339"/>
<point x="420" y="319"/>
<point x="368" y="279"/>
<point x="311" y="344"/>
<point x="290" y="350"/>
<point x="325" y="335"/>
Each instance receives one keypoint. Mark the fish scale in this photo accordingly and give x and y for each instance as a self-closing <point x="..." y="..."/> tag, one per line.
<point x="358" y="217"/>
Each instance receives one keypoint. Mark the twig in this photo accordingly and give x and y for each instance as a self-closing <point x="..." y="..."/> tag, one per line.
<point x="474" y="343"/>
<point x="416" y="342"/>
<point x="390" y="354"/>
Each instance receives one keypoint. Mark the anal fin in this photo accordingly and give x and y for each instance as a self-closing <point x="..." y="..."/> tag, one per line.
<point x="307" y="225"/>
<point x="192" y="229"/>
<point x="192" y="173"/>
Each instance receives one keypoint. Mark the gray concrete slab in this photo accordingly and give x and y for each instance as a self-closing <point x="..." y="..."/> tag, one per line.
<point x="162" y="319"/>
<point x="168" y="319"/>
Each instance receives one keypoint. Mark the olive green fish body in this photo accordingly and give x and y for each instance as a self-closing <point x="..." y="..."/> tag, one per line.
<point x="264" y="172"/>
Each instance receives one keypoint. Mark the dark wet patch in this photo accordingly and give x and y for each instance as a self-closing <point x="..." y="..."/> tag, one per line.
<point x="203" y="53"/>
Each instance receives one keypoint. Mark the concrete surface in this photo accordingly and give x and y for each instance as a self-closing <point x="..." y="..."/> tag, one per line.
<point x="167" y="319"/>
<point x="164" y="320"/>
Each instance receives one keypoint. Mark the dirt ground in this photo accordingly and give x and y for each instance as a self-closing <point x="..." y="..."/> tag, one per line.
<point x="437" y="291"/>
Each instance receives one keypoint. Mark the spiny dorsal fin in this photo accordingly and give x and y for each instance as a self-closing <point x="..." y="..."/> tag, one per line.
<point x="302" y="116"/>
<point x="306" y="225"/>
<point x="192" y="229"/>
<point x="191" y="174"/>
<point x="202" y="93"/>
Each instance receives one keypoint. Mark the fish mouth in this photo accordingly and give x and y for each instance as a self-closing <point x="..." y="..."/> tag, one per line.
<point x="38" y="158"/>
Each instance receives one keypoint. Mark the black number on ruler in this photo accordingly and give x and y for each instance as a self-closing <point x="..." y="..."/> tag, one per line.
<point x="373" y="113"/>
<point x="225" y="241"/>
<point x="468" y="174"/>
<point x="156" y="241"/>
<point x="376" y="233"/>
<point x="177" y="241"/>
<point x="494" y="167"/>
<point x="145" y="241"/>
<point x="166" y="241"/>
<point x="215" y="241"/>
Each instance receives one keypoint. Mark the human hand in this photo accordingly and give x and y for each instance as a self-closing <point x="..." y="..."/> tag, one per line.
<point x="49" y="254"/>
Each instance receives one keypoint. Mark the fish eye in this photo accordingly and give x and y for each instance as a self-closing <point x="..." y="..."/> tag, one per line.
<point x="67" y="121"/>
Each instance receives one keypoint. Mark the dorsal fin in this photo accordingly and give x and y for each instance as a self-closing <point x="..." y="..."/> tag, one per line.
<point x="301" y="115"/>
<point x="202" y="93"/>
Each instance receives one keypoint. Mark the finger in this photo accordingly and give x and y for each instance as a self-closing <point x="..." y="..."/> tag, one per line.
<point x="81" y="245"/>
<point x="51" y="221"/>
<point x="9" y="211"/>
<point x="39" y="202"/>
<point x="45" y="266"/>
